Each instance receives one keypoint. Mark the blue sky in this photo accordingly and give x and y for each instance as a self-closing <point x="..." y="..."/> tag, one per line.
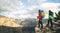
<point x="54" y="1"/>
<point x="27" y="8"/>
<point x="29" y="4"/>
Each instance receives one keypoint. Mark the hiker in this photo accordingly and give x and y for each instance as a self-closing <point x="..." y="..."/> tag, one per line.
<point x="50" y="19"/>
<point x="58" y="18"/>
<point x="58" y="15"/>
<point x="40" y="19"/>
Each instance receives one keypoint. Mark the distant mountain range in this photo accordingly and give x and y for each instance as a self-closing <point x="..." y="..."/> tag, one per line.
<point x="32" y="22"/>
<point x="4" y="20"/>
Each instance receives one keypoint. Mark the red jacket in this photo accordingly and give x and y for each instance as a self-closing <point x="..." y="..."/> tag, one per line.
<point x="39" y="15"/>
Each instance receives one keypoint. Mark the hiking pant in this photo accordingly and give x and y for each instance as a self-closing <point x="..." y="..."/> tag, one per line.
<point x="40" y="24"/>
<point x="50" y="21"/>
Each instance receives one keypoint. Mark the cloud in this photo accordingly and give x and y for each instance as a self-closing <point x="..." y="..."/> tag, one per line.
<point x="11" y="5"/>
<point x="13" y="8"/>
<point x="32" y="7"/>
<point x="36" y="1"/>
<point x="17" y="14"/>
<point x="25" y="13"/>
<point x="48" y="6"/>
<point x="30" y="12"/>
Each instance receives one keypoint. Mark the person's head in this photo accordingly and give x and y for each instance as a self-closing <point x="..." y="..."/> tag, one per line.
<point x="39" y="10"/>
<point x="50" y="11"/>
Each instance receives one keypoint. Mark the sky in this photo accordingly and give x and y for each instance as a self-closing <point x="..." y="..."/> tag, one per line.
<point x="27" y="8"/>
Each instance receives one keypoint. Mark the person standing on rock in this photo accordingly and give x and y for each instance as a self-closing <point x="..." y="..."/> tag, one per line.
<point x="50" y="19"/>
<point x="40" y="19"/>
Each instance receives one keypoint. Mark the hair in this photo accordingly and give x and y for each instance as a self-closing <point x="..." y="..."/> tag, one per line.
<point x="50" y="11"/>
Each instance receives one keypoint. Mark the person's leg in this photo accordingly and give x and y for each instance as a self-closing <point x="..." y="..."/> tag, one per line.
<point x="51" y="27"/>
<point x="51" y="23"/>
<point x="39" y="24"/>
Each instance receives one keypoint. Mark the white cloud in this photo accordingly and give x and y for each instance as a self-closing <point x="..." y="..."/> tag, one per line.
<point x="26" y="13"/>
<point x="21" y="12"/>
<point x="32" y="11"/>
<point x="11" y="5"/>
<point x="17" y="14"/>
<point x="36" y="1"/>
<point x="32" y="8"/>
<point x="13" y="8"/>
<point x="50" y="6"/>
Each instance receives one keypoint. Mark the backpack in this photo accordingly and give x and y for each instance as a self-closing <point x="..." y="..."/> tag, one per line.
<point x="43" y="14"/>
<point x="51" y="15"/>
